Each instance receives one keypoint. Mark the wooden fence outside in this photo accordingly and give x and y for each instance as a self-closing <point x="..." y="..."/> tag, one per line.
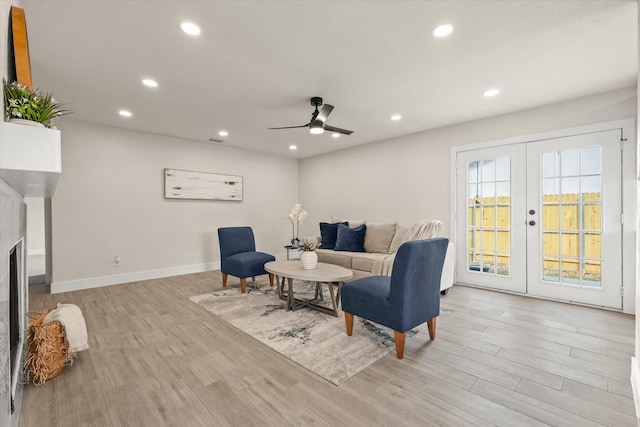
<point x="489" y="222"/>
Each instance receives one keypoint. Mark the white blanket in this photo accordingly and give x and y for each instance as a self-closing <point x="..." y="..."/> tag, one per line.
<point x="70" y="316"/>
<point x="425" y="229"/>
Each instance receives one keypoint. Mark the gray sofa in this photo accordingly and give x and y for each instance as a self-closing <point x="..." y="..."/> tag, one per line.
<point x="382" y="240"/>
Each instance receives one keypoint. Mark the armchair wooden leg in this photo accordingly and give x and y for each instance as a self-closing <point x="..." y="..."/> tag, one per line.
<point x="400" y="338"/>
<point x="224" y="279"/>
<point x="348" y="320"/>
<point x="243" y="285"/>
<point x="271" y="279"/>
<point x="431" y="324"/>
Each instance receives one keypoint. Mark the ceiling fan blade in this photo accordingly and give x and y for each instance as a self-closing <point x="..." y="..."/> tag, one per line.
<point x="338" y="130"/>
<point x="324" y="112"/>
<point x="292" y="127"/>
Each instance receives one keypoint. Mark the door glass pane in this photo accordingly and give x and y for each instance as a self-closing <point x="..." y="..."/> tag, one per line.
<point x="503" y="219"/>
<point x="592" y="218"/>
<point x="591" y="186"/>
<point x="488" y="170"/>
<point x="592" y="245"/>
<point x="551" y="187"/>
<point x="473" y="172"/>
<point x="503" y="169"/>
<point x="488" y="239"/>
<point x="569" y="245"/>
<point x="503" y="190"/>
<point x="551" y="243"/>
<point x="502" y="263"/>
<point x="550" y="164"/>
<point x="570" y="162"/>
<point x="570" y="271"/>
<point x="551" y="269"/>
<point x="570" y="189"/>
<point x="591" y="160"/>
<point x="489" y="192"/>
<point x="571" y="216"/>
<point x="489" y="216"/>
<point x="504" y="240"/>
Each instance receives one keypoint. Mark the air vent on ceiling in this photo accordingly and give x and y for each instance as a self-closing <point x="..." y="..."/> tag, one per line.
<point x="216" y="140"/>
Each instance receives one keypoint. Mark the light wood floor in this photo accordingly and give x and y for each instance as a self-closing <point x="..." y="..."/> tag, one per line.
<point x="156" y="359"/>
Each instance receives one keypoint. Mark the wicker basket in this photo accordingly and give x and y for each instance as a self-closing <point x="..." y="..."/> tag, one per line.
<point x="48" y="349"/>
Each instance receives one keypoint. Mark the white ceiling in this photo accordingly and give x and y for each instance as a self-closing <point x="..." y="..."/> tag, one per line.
<point x="257" y="63"/>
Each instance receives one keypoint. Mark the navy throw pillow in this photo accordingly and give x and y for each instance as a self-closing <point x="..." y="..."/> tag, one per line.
<point x="329" y="234"/>
<point x="350" y="239"/>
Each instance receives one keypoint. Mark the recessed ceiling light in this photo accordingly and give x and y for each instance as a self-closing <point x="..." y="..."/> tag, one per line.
<point x="293" y="147"/>
<point x="125" y="113"/>
<point x="335" y="135"/>
<point x="396" y="117"/>
<point x="150" y="83"/>
<point x="443" y="30"/>
<point x="491" y="92"/>
<point x="223" y="133"/>
<point x="190" y="28"/>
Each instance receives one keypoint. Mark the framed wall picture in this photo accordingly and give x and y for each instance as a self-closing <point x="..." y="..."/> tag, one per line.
<point x="181" y="184"/>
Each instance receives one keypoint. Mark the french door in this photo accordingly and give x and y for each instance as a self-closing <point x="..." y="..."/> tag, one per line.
<point x="543" y="218"/>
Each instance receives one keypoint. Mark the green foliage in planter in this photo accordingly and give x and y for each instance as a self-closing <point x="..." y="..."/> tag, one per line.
<point x="20" y="102"/>
<point x="308" y="246"/>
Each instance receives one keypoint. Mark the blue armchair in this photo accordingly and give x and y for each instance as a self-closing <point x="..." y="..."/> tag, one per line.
<point x="238" y="255"/>
<point x="404" y="300"/>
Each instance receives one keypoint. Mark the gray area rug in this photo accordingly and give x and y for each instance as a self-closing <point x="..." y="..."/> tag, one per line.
<point x="314" y="340"/>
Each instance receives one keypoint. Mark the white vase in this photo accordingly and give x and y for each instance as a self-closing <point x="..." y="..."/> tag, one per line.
<point x="26" y="122"/>
<point x="309" y="260"/>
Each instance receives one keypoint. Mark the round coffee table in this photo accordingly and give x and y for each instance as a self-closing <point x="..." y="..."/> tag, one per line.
<point x="323" y="273"/>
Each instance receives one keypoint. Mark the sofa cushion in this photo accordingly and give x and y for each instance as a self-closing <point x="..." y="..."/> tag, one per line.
<point x="402" y="232"/>
<point x="379" y="236"/>
<point x="329" y="256"/>
<point x="350" y="239"/>
<point x="353" y="223"/>
<point x="364" y="261"/>
<point x="329" y="234"/>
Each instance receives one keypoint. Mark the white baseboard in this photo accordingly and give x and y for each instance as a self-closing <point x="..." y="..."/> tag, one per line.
<point x="116" y="279"/>
<point x="635" y="384"/>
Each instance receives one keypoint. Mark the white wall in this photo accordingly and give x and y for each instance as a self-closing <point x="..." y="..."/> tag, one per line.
<point x="407" y="178"/>
<point x="35" y="219"/>
<point x="109" y="202"/>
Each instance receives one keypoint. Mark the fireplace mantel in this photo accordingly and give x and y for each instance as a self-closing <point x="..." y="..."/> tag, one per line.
<point x="30" y="158"/>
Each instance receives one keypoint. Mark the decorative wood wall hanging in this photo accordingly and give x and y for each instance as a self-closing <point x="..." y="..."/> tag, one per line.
<point x="21" y="46"/>
<point x="181" y="184"/>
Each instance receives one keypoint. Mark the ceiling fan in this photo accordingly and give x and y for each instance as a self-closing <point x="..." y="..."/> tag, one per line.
<point x="317" y="124"/>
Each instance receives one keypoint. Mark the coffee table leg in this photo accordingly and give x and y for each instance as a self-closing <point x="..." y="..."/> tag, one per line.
<point x="290" y="300"/>
<point x="319" y="293"/>
<point x="333" y="299"/>
<point x="280" y="286"/>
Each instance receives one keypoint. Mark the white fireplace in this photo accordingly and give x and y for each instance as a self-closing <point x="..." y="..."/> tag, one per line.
<point x="30" y="165"/>
<point x="17" y="315"/>
<point x="13" y="302"/>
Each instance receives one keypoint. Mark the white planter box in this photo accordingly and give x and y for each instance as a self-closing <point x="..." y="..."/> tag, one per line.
<point x="30" y="158"/>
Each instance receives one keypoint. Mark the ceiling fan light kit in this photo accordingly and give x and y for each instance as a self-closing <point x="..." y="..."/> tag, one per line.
<point x="317" y="125"/>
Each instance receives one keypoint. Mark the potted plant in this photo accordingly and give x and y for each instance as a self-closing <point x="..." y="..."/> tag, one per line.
<point x="296" y="216"/>
<point x="308" y="257"/>
<point x="24" y="105"/>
